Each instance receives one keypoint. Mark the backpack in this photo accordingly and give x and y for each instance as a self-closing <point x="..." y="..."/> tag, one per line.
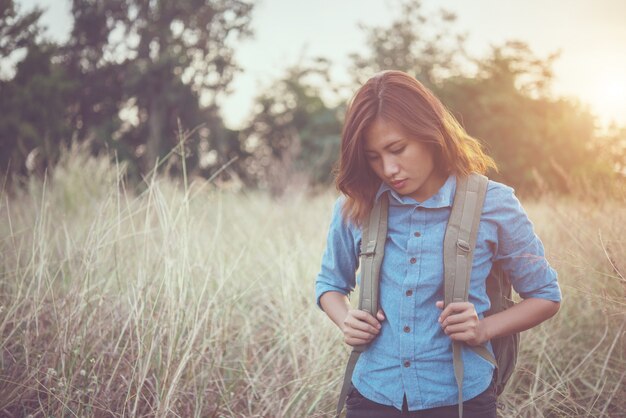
<point x="459" y="244"/>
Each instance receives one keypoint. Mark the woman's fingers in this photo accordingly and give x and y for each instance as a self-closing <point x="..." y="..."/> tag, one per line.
<point x="363" y="327"/>
<point x="358" y="341"/>
<point x="360" y="325"/>
<point x="460" y="322"/>
<point x="455" y="308"/>
<point x="452" y="308"/>
<point x="462" y="327"/>
<point x="366" y="317"/>
<point x="466" y="336"/>
<point x="359" y="335"/>
<point x="364" y="320"/>
<point x="459" y="318"/>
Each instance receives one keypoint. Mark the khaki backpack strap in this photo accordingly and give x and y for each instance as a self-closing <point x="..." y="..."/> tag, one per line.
<point x="458" y="253"/>
<point x="372" y="252"/>
<point x="347" y="379"/>
<point x="373" y="237"/>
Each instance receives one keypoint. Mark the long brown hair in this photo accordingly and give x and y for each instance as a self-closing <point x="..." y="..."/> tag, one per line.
<point x="395" y="96"/>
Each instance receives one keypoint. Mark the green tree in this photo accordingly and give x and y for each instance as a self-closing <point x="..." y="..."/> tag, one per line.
<point x="156" y="59"/>
<point x="33" y="116"/>
<point x="34" y="121"/>
<point x="17" y="30"/>
<point x="293" y="130"/>
<point x="129" y="73"/>
<point x="422" y="45"/>
<point x="537" y="140"/>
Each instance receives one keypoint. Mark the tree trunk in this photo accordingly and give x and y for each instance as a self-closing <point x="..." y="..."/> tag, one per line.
<point x="154" y="142"/>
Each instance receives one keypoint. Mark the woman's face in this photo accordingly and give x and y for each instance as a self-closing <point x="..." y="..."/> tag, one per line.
<point x="403" y="162"/>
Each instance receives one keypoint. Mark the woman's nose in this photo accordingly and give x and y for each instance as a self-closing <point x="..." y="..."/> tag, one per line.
<point x="390" y="167"/>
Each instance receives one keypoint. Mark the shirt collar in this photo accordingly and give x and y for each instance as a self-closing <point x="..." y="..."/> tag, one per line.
<point x="443" y="198"/>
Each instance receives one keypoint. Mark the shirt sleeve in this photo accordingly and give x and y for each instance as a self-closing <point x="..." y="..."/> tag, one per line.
<point x="340" y="259"/>
<point x="519" y="250"/>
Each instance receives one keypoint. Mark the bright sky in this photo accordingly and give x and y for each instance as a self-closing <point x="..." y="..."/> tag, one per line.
<point x="590" y="34"/>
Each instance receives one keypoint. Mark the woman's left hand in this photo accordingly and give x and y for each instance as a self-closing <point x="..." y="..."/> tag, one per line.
<point x="460" y="322"/>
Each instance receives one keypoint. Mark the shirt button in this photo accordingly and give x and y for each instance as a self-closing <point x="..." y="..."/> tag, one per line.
<point x="409" y="292"/>
<point x="407" y="363"/>
<point x="413" y="260"/>
<point x="407" y="329"/>
<point x="417" y="234"/>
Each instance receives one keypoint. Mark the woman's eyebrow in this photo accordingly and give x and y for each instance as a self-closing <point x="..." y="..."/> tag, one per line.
<point x="394" y="141"/>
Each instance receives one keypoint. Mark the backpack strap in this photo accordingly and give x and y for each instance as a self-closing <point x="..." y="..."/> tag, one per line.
<point x="458" y="252"/>
<point x="373" y="237"/>
<point x="372" y="251"/>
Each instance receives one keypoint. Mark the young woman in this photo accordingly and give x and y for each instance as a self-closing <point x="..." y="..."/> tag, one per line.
<point x="399" y="138"/>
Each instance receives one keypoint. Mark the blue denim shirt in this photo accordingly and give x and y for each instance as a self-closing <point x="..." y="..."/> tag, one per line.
<point x="416" y="230"/>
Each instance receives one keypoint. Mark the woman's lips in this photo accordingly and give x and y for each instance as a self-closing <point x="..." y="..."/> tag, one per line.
<point x="398" y="184"/>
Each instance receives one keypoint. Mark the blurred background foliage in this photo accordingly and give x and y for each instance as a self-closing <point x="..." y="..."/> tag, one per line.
<point x="134" y="74"/>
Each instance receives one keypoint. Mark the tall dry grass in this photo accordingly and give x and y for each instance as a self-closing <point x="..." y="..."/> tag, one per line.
<point x="194" y="302"/>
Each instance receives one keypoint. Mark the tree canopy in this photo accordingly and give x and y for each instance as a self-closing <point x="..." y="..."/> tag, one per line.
<point x="133" y="74"/>
<point x="129" y="73"/>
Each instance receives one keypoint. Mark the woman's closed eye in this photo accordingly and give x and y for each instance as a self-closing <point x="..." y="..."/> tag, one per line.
<point x="396" y="151"/>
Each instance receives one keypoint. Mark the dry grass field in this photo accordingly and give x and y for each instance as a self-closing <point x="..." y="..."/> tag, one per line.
<point x="188" y="301"/>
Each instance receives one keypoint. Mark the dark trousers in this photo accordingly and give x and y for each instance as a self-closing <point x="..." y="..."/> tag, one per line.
<point x="482" y="406"/>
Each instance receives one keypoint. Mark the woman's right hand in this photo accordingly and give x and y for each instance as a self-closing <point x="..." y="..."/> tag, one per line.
<point x="360" y="327"/>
